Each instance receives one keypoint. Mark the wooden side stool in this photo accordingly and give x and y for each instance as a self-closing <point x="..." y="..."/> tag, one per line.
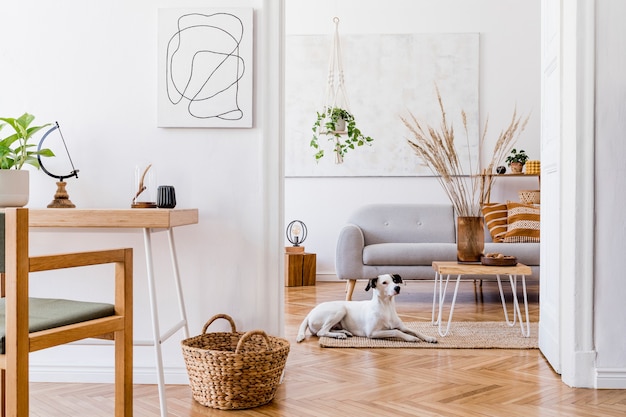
<point x="299" y="267"/>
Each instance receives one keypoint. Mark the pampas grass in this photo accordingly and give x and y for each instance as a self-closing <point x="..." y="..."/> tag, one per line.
<point x="466" y="190"/>
<point x="505" y="141"/>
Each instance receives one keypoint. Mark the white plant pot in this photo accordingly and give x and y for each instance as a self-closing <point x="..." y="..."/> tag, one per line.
<point x="340" y="127"/>
<point x="14" y="187"/>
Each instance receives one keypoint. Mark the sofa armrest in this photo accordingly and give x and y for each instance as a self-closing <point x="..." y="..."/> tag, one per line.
<point x="349" y="252"/>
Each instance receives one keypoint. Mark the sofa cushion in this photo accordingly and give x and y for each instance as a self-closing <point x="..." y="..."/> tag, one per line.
<point x="406" y="223"/>
<point x="408" y="253"/>
<point x="526" y="253"/>
<point x="523" y="223"/>
<point x="495" y="215"/>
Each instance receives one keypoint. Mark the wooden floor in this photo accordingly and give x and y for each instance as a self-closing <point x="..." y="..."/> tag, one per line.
<point x="378" y="382"/>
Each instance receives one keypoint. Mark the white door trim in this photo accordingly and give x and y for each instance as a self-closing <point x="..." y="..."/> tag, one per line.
<point x="577" y="192"/>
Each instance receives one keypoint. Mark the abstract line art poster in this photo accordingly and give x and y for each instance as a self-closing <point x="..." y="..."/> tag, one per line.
<point x="205" y="68"/>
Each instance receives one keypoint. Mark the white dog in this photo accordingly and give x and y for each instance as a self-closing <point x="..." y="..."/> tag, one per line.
<point x="376" y="318"/>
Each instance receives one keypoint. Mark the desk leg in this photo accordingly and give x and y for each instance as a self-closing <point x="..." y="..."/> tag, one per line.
<point x="154" y="314"/>
<point x="158" y="337"/>
<point x="179" y="291"/>
<point x="442" y="296"/>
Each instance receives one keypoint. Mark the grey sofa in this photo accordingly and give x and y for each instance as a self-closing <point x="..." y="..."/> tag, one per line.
<point x="405" y="239"/>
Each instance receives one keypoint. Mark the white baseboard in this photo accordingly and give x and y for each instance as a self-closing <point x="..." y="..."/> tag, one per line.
<point x="105" y="374"/>
<point x="327" y="277"/>
<point x="611" y="378"/>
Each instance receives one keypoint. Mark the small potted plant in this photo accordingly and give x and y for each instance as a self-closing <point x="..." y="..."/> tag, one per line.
<point x="15" y="152"/>
<point x="517" y="160"/>
<point x="335" y="122"/>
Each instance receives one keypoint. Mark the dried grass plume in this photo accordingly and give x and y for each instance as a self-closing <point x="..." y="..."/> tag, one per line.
<point x="436" y="147"/>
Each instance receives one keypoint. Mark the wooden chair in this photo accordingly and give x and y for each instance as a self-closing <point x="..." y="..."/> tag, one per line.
<point x="61" y="321"/>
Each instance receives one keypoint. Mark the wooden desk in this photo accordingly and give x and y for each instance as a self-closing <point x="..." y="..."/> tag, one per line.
<point x="460" y="269"/>
<point x="113" y="218"/>
<point x="149" y="220"/>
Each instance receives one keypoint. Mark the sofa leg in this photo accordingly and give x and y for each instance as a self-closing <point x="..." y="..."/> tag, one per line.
<point x="350" y="289"/>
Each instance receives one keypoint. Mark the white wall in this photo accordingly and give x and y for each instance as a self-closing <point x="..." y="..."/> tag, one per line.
<point x="509" y="77"/>
<point x="92" y="67"/>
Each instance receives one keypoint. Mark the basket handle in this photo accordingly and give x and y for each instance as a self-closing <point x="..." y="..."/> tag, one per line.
<point x="220" y="316"/>
<point x="248" y="335"/>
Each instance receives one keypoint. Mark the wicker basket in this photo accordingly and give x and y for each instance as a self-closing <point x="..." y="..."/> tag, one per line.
<point x="529" y="196"/>
<point x="234" y="370"/>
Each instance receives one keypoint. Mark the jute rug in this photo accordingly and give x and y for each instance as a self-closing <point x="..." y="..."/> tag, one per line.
<point x="462" y="335"/>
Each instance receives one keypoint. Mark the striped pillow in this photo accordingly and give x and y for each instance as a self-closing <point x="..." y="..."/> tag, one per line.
<point x="523" y="222"/>
<point x="495" y="215"/>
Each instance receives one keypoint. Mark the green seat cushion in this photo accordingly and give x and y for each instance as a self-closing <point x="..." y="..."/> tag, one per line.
<point x="48" y="313"/>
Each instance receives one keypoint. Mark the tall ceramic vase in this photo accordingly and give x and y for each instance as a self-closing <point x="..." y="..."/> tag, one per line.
<point x="470" y="239"/>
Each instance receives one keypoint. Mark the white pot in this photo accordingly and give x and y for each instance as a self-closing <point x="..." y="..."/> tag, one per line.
<point x="13" y="187"/>
<point x="340" y="127"/>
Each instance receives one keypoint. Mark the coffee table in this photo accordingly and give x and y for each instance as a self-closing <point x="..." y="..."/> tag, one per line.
<point x="475" y="269"/>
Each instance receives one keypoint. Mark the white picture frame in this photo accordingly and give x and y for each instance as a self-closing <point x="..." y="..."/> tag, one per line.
<point x="205" y="67"/>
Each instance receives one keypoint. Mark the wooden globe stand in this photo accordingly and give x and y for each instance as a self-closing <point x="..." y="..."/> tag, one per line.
<point x="61" y="198"/>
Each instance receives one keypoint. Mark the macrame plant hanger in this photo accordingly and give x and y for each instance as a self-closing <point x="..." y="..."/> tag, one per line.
<point x="336" y="91"/>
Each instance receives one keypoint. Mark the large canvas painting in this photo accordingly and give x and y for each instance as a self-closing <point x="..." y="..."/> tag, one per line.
<point x="386" y="77"/>
<point x="205" y="68"/>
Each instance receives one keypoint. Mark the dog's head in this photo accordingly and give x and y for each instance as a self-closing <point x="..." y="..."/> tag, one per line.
<point x="386" y="284"/>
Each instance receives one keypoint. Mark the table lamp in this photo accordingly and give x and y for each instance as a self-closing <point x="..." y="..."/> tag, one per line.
<point x="296" y="235"/>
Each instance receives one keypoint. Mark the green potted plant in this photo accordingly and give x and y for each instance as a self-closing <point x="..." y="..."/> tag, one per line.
<point x="335" y="122"/>
<point x="516" y="160"/>
<point x="15" y="152"/>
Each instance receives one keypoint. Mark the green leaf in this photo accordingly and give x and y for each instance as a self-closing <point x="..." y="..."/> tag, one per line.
<point x="45" y="152"/>
<point x="15" y="151"/>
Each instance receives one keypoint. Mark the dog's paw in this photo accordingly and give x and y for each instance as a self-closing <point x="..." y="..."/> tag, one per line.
<point x="430" y="339"/>
<point x="300" y="338"/>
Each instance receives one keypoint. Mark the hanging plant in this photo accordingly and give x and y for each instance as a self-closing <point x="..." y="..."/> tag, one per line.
<point x="339" y="125"/>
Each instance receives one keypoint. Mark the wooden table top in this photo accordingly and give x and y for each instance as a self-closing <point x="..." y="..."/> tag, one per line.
<point x="112" y="218"/>
<point x="455" y="268"/>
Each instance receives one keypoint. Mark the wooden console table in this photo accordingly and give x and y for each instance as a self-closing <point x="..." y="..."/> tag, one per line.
<point x="149" y="220"/>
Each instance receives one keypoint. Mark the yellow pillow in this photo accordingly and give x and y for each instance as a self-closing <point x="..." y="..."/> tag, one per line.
<point x="533" y="167"/>
<point x="523" y="223"/>
<point x="495" y="215"/>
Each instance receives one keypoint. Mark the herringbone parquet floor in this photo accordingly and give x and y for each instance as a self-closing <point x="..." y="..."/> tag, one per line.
<point x="379" y="382"/>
